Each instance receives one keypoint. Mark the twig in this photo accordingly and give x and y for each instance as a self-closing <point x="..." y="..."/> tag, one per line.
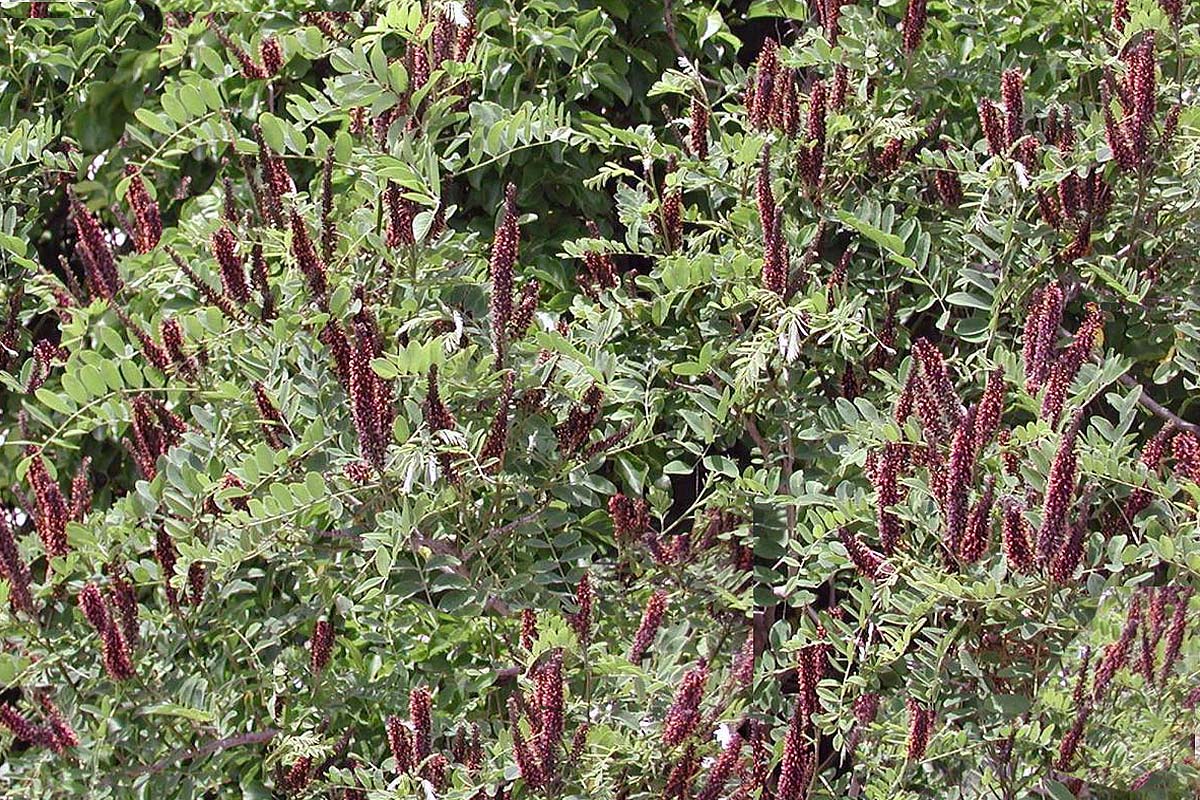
<point x="1157" y="408"/>
<point x="759" y="441"/>
<point x="669" y="25"/>
<point x="214" y="746"/>
<point x="1145" y="400"/>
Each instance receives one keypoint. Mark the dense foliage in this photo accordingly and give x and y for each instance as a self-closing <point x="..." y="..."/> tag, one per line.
<point x="589" y="399"/>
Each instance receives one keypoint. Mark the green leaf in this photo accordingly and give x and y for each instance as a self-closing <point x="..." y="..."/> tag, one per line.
<point x="175" y="710"/>
<point x="153" y="121"/>
<point x="55" y="401"/>
<point x="890" y="243"/>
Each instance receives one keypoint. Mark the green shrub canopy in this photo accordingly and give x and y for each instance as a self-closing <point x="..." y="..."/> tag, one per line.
<point x="592" y="399"/>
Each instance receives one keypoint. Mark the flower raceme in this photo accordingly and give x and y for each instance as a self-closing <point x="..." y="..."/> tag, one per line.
<point x="311" y="265"/>
<point x="684" y="714"/>
<point x="585" y="599"/>
<point x="1060" y="491"/>
<point x="1004" y="131"/>
<point x="147" y="222"/>
<point x="1016" y="534"/>
<point x="671" y="208"/>
<point x="155" y="430"/>
<point x="123" y="597"/>
<point x="1066" y="367"/>
<point x="320" y="646"/>
<point x="599" y="271"/>
<point x="539" y="758"/>
<point x="51" y="514"/>
<point x="251" y="70"/>
<point x="652" y="618"/>
<point x="495" y="445"/>
<point x="796" y="765"/>
<point x="93" y="249"/>
<point x="13" y="568"/>
<point x="420" y="714"/>
<point x="370" y="394"/>
<point x="869" y="564"/>
<point x="698" y="127"/>
<point x="167" y="556"/>
<point x="233" y="271"/>
<point x="548" y="697"/>
<point x="913" y="26"/>
<point x="23" y="728"/>
<point x="762" y="88"/>
<point x="1040" y="334"/>
<point x="505" y="250"/>
<point x="399" y="740"/>
<point x="889" y="467"/>
<point x="920" y="728"/>
<point x="812" y="154"/>
<point x="573" y="432"/>
<point x="1128" y="137"/>
<point x="630" y="518"/>
<point x="1083" y="709"/>
<point x="272" y="424"/>
<point x="116" y="654"/>
<point x="171" y="333"/>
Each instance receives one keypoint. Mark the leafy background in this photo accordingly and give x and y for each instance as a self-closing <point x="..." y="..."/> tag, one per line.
<point x="721" y="400"/>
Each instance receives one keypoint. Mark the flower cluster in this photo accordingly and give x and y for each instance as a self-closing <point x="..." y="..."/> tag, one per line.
<point x="370" y="394"/>
<point x="1016" y="534"/>
<point x="585" y="600"/>
<point x="630" y="518"/>
<point x="118" y="661"/>
<point x="55" y="733"/>
<point x="505" y="250"/>
<point x="1060" y="492"/>
<point x="920" y="728"/>
<point x="154" y="430"/>
<point x="572" y="433"/>
<point x="775" y="250"/>
<point x="698" y="127"/>
<point x="913" y="27"/>
<point x="599" y="272"/>
<point x="812" y="155"/>
<point x="888" y="468"/>
<point x="538" y="758"/>
<point x="495" y="445"/>
<point x="684" y="714"/>
<point x="1128" y="137"/>
<point x="13" y="568"/>
<point x="171" y="333"/>
<point x="320" y="646"/>
<point x="1069" y="361"/>
<point x="147" y="228"/>
<point x="251" y="70"/>
<point x="233" y="271"/>
<point x="670" y="208"/>
<point x="652" y="617"/>
<point x="401" y="211"/>
<point x="798" y="762"/>
<point x="870" y="565"/>
<point x="51" y="514"/>
<point x="100" y="269"/>
<point x="309" y="262"/>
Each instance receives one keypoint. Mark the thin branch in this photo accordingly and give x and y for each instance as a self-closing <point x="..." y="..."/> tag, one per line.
<point x="1144" y="399"/>
<point x="1156" y="408"/>
<point x="669" y="25"/>
<point x="214" y="746"/>
<point x="759" y="441"/>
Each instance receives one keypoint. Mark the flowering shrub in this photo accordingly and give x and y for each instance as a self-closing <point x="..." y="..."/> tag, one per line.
<point x="594" y="399"/>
